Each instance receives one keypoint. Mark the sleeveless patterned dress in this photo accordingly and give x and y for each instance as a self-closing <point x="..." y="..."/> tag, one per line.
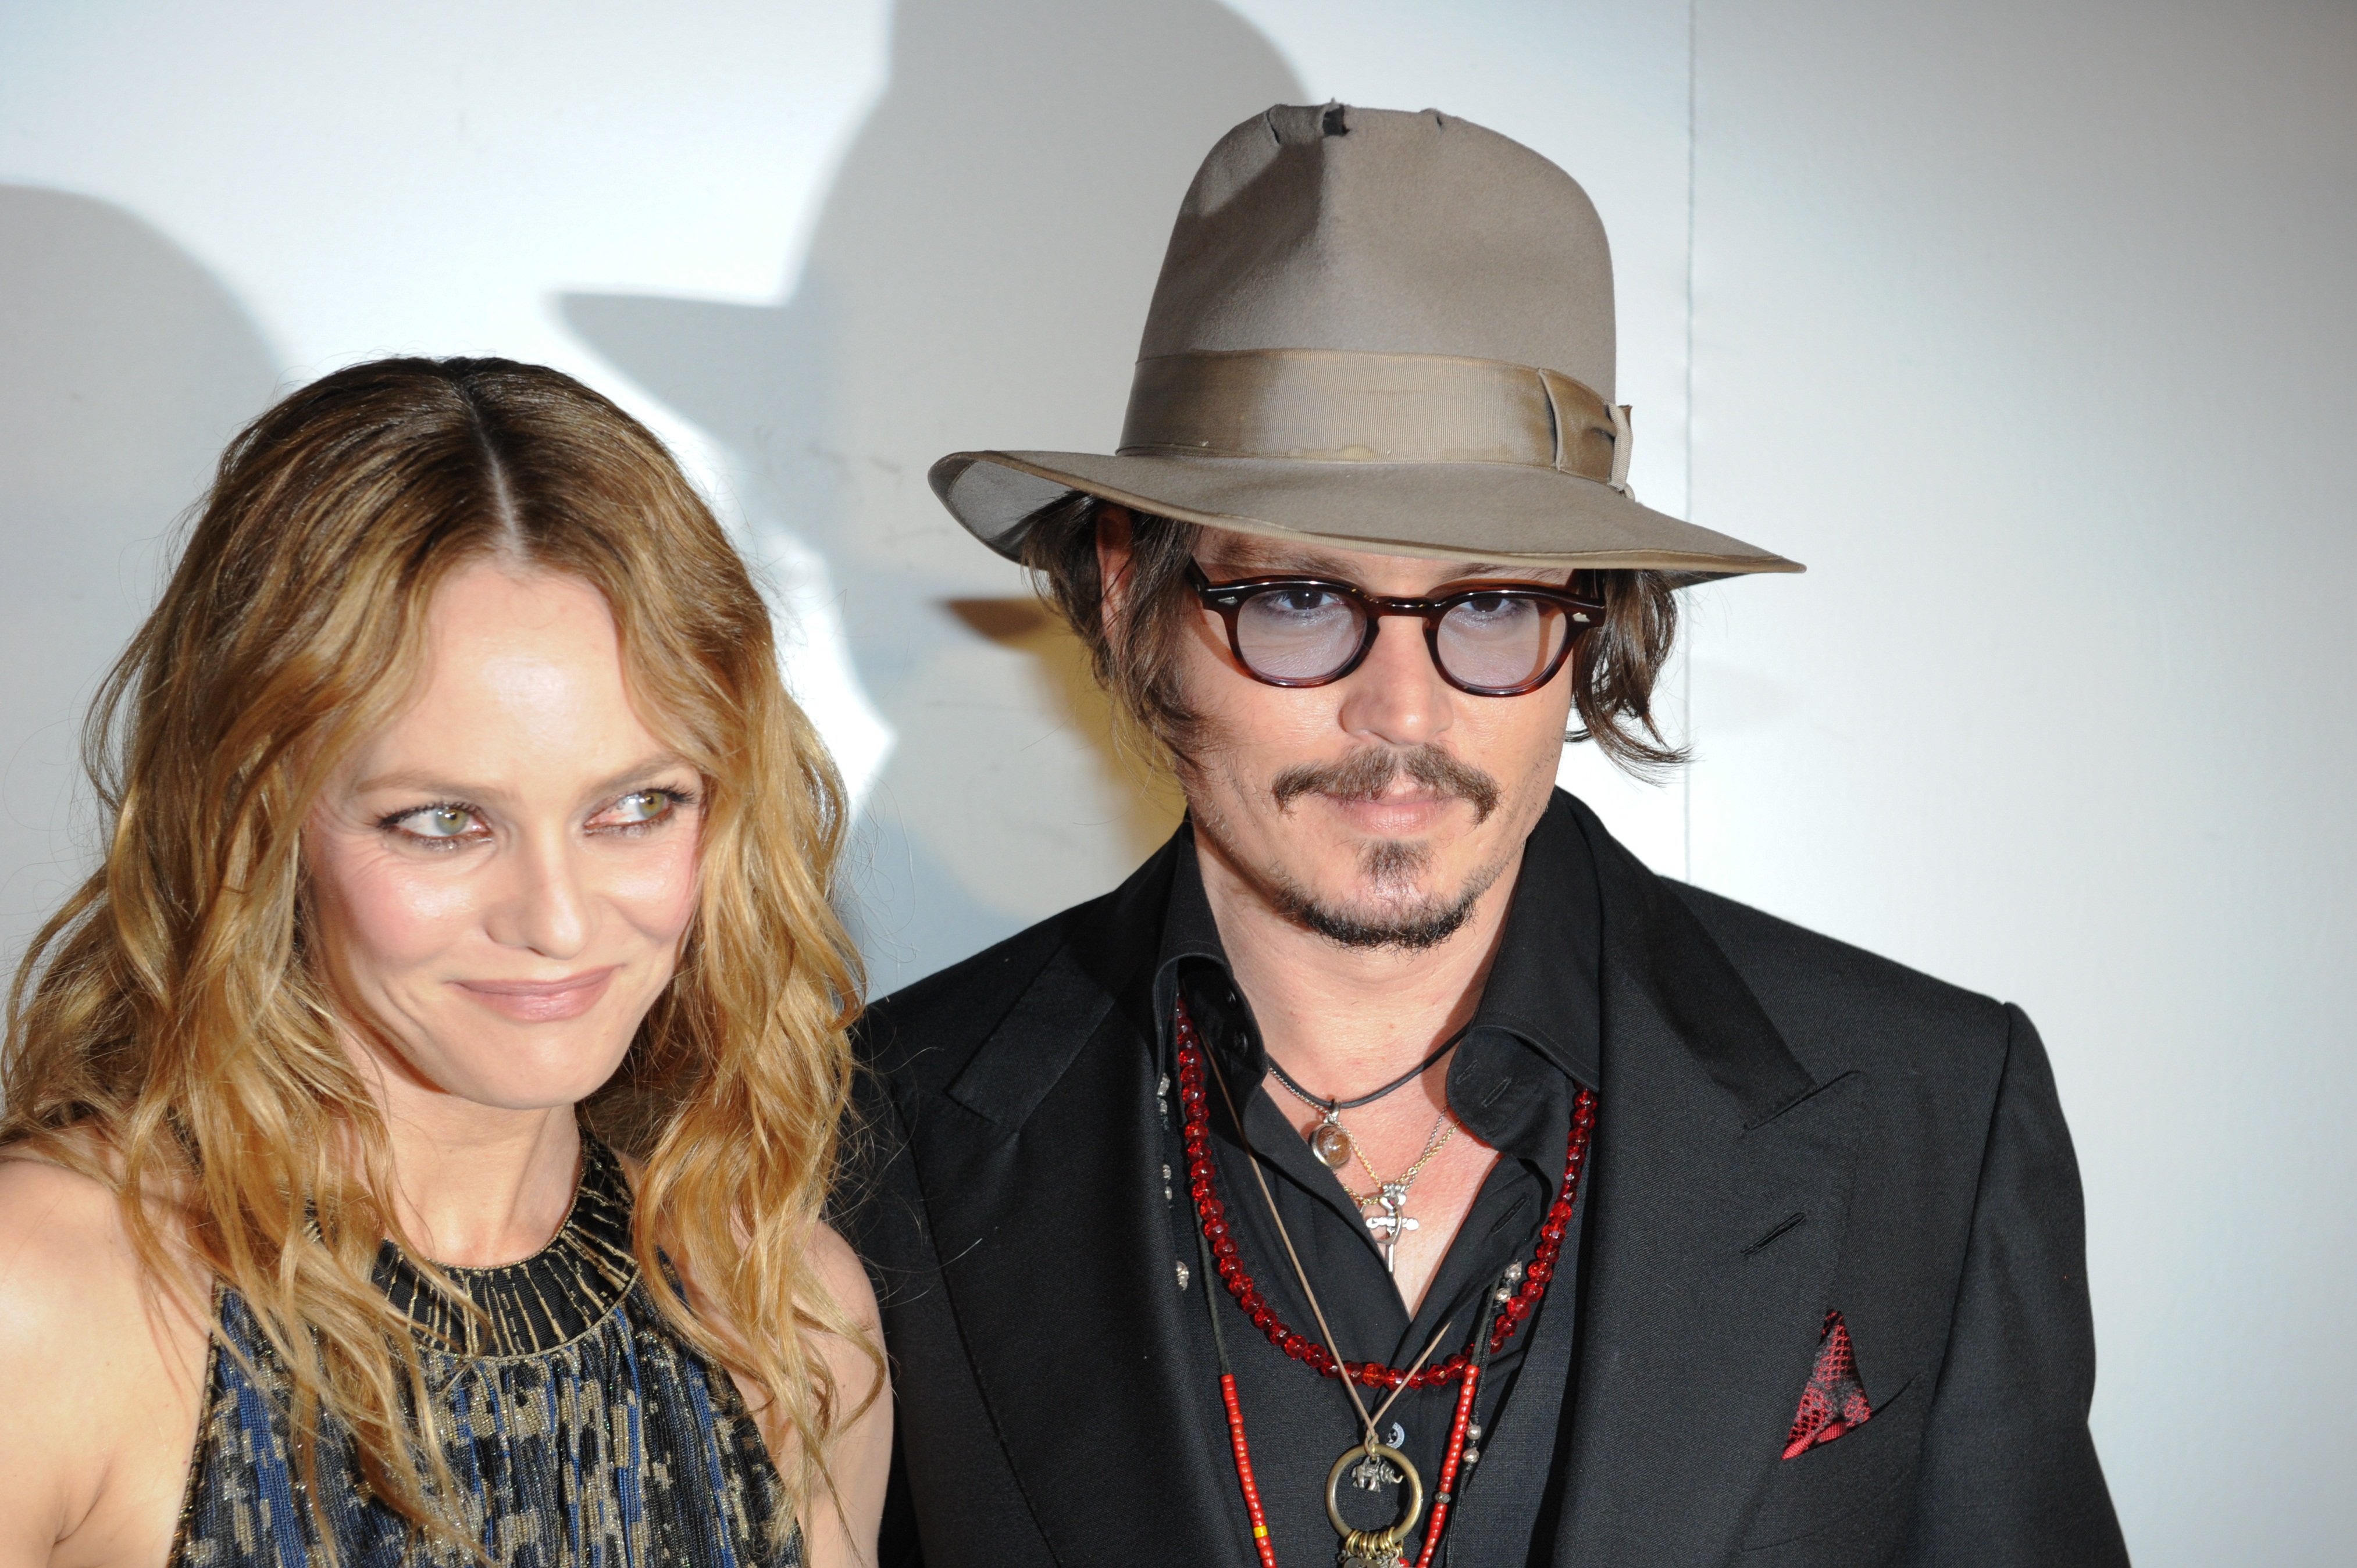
<point x="582" y="1431"/>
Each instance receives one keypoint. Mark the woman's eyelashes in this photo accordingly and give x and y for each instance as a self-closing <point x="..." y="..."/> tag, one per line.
<point x="446" y="825"/>
<point x="641" y="811"/>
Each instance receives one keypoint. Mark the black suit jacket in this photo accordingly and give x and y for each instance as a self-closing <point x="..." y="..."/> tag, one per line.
<point x="1786" y="1124"/>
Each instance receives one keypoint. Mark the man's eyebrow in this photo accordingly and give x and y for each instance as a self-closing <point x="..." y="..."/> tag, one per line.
<point x="1521" y="571"/>
<point x="1265" y="562"/>
<point x="1258" y="561"/>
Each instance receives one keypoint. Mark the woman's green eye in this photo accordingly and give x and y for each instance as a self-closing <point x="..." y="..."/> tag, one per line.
<point x="644" y="806"/>
<point x="439" y="823"/>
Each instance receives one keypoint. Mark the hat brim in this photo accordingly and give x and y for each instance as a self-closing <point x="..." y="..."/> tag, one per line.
<point x="1500" y="512"/>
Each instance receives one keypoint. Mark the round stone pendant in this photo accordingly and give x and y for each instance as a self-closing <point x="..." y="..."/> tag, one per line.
<point x="1331" y="1144"/>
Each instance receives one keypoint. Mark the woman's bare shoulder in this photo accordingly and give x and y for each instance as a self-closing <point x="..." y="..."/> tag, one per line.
<point x="842" y="1527"/>
<point x="64" y="1243"/>
<point x="845" y="1277"/>
<point x="76" y="1302"/>
<point x="103" y="1371"/>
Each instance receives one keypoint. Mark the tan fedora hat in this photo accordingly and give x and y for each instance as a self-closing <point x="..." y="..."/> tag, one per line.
<point x="1386" y="331"/>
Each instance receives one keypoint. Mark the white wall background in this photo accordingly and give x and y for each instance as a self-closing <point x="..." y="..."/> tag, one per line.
<point x="2024" y="325"/>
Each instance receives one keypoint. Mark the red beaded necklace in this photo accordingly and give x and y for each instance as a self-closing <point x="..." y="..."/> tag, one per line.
<point x="1220" y="1253"/>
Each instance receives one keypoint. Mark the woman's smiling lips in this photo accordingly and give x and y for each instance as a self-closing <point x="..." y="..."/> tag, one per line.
<point x="542" y="1000"/>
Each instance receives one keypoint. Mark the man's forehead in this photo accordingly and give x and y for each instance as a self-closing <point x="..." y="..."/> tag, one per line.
<point x="1259" y="555"/>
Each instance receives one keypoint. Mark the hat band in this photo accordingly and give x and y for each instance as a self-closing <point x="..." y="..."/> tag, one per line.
<point x="1328" y="405"/>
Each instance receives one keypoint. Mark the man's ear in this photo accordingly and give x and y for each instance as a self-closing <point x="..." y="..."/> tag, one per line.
<point x="1114" y="529"/>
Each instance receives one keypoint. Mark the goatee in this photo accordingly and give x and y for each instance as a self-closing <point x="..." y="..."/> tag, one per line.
<point x="1400" y="917"/>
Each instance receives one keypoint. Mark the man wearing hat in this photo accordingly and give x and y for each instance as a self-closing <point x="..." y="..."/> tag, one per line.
<point x="1394" y="1170"/>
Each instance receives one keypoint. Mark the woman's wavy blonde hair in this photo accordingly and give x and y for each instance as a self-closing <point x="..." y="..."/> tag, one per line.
<point x="169" y="1032"/>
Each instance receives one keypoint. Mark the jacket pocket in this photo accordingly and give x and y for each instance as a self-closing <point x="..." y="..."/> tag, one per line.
<point x="1850" y="1487"/>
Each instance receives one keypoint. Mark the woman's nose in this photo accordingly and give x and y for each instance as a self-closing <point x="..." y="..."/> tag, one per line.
<point x="546" y="906"/>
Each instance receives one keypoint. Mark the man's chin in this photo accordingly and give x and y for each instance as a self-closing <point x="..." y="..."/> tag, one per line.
<point x="1399" y="894"/>
<point x="1381" y="915"/>
<point x="1408" y="929"/>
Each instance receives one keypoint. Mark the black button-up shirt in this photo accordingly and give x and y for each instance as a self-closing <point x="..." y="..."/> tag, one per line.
<point x="1534" y="1041"/>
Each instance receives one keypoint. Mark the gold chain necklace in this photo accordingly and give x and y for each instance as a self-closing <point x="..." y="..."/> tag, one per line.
<point x="1392" y="1196"/>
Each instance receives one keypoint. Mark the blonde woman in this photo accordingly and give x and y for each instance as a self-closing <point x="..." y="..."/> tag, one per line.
<point x="417" y="1129"/>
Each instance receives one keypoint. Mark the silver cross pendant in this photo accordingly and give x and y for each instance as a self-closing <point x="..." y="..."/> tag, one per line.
<point x="1393" y="1222"/>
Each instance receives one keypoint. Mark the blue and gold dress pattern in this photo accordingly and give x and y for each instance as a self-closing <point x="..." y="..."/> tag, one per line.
<point x="583" y="1433"/>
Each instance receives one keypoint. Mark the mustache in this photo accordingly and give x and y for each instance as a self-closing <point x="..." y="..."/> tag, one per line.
<point x="1367" y="774"/>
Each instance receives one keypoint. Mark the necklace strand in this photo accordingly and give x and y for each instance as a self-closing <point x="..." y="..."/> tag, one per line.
<point x="1442" y="1130"/>
<point x="1361" y="1548"/>
<point x="1402" y="1081"/>
<point x="1212" y="1214"/>
<point x="1503" y="1308"/>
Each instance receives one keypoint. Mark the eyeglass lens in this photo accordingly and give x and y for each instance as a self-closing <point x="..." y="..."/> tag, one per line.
<point x="1497" y="642"/>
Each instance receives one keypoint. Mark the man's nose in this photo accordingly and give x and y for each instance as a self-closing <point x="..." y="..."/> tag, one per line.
<point x="1397" y="694"/>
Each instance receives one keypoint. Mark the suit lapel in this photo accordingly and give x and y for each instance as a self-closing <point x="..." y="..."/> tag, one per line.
<point x="1043" y="1189"/>
<point x="1718" y="1188"/>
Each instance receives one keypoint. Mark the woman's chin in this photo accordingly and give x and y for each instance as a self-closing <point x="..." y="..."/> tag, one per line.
<point x="542" y="1076"/>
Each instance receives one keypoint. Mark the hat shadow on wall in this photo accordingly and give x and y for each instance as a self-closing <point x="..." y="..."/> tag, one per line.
<point x="977" y="277"/>
<point x="125" y="369"/>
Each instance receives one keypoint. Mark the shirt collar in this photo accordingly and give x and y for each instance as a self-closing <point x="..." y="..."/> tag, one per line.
<point x="1191" y="940"/>
<point x="1544" y="987"/>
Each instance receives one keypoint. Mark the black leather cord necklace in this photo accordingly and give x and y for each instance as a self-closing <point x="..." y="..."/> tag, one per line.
<point x="1330" y="1142"/>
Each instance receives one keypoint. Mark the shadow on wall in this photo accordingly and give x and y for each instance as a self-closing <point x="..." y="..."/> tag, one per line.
<point x="125" y="367"/>
<point x="977" y="277"/>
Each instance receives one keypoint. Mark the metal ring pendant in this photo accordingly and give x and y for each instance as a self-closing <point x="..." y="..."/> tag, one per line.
<point x="1375" y="1547"/>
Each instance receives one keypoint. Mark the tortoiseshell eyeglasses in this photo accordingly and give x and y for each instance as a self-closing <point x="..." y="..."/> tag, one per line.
<point x="1489" y="639"/>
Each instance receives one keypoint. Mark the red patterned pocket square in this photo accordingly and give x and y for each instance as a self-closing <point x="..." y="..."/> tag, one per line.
<point x="1834" y="1400"/>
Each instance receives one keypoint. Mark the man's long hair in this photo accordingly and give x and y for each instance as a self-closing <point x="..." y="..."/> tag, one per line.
<point x="1613" y="670"/>
<point x="171" y="1032"/>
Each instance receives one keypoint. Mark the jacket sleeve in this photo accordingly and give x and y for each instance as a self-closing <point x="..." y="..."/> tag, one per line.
<point x="952" y="1499"/>
<point x="2008" y="1474"/>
